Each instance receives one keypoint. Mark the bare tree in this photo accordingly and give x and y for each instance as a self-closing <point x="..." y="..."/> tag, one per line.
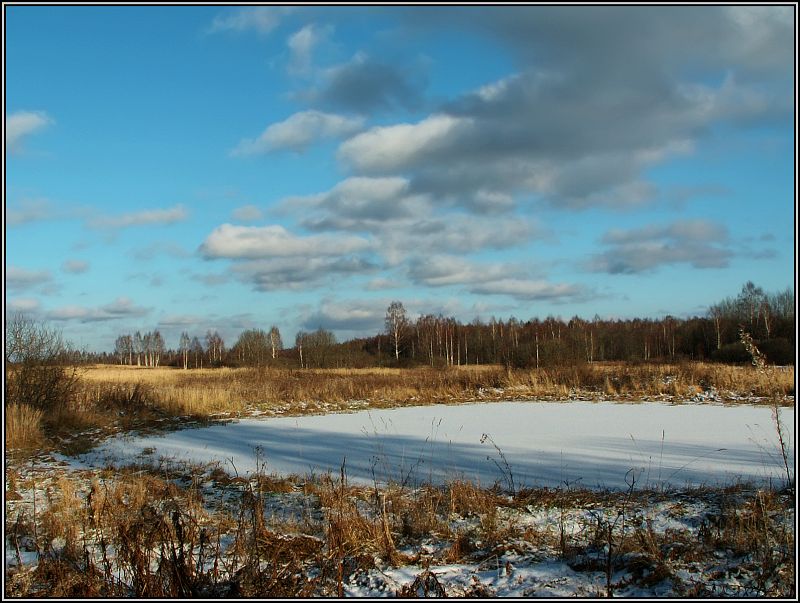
<point x="147" y="347"/>
<point x="275" y="340"/>
<point x="214" y="346"/>
<point x="138" y="347"/>
<point x="298" y="343"/>
<point x="252" y="347"/>
<point x="185" y="342"/>
<point x="197" y="350"/>
<point x="39" y="365"/>
<point x="396" y="325"/>
<point x="123" y="348"/>
<point x="158" y="346"/>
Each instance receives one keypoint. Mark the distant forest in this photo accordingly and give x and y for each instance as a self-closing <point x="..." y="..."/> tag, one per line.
<point x="440" y="341"/>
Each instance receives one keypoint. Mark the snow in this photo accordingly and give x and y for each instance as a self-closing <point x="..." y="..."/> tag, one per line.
<point x="515" y="444"/>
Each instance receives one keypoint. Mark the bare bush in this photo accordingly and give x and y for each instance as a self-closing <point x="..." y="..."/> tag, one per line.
<point x="39" y="368"/>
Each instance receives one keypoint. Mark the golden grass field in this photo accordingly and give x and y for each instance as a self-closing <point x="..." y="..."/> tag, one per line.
<point x="126" y="395"/>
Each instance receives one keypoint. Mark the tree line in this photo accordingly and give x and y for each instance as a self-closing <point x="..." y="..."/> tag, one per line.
<point x="440" y="341"/>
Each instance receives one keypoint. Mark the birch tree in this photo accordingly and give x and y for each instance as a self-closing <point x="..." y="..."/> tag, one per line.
<point x="396" y="325"/>
<point x="275" y="340"/>
<point x="184" y="349"/>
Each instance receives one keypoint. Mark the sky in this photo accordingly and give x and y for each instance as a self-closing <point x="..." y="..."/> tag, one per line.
<point x="194" y="168"/>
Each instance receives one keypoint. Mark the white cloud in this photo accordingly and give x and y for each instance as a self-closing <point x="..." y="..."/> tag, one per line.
<point x="353" y="315"/>
<point x="527" y="289"/>
<point x="445" y="270"/>
<point x="298" y="131"/>
<point x="21" y="124"/>
<point x="302" y="44"/>
<point x="360" y="203"/>
<point x="236" y="242"/>
<point x="399" y="146"/>
<point x="299" y="273"/>
<point x="700" y="243"/>
<point x="262" y="19"/>
<point x="142" y="218"/>
<point x="488" y="279"/>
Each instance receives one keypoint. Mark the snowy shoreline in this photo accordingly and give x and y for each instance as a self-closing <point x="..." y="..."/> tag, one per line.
<point x="532" y="444"/>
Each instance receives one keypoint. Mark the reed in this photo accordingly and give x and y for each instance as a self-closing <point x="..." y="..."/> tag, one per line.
<point x="23" y="427"/>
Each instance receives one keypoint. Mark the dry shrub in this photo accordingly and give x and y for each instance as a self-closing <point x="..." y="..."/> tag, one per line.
<point x="62" y="520"/>
<point x="23" y="426"/>
<point x="466" y="498"/>
<point x="462" y="546"/>
<point x="426" y="584"/>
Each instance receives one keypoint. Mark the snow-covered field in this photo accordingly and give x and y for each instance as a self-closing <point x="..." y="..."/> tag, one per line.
<point x="515" y="444"/>
<point x="641" y="531"/>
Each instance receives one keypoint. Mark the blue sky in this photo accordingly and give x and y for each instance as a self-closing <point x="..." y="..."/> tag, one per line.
<point x="210" y="167"/>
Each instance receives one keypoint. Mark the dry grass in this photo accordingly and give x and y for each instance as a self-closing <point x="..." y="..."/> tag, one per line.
<point x="137" y="533"/>
<point x="208" y="391"/>
<point x="122" y="397"/>
<point x="23" y="426"/>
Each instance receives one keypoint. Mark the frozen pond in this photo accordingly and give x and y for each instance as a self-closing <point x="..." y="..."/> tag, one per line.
<point x="533" y="443"/>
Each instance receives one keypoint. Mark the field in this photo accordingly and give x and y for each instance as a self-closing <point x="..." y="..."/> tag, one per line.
<point x="378" y="520"/>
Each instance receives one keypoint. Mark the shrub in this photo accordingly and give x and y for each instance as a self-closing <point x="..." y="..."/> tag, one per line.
<point x="38" y="369"/>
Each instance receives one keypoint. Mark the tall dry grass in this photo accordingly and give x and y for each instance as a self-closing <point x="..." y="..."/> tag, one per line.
<point x="122" y="397"/>
<point x="205" y="392"/>
<point x="23" y="426"/>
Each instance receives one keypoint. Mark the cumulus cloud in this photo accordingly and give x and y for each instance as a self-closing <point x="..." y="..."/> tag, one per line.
<point x="700" y="243"/>
<point x="601" y="94"/>
<point x="252" y="242"/>
<point x="365" y="85"/>
<point x="456" y="233"/>
<point x="302" y="44"/>
<point x="21" y="124"/>
<point x="359" y="203"/>
<point x="299" y="273"/>
<point x="401" y="220"/>
<point x="120" y="308"/>
<point x="401" y="146"/>
<point x="75" y="266"/>
<point x="446" y="270"/>
<point x="354" y="316"/>
<point x="529" y="290"/>
<point x="490" y="279"/>
<point x="299" y="131"/>
<point x="272" y="258"/>
<point x="262" y="19"/>
<point x="141" y="218"/>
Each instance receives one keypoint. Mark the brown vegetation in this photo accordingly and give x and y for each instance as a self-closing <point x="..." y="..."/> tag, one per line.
<point x="145" y="533"/>
<point x="113" y="398"/>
